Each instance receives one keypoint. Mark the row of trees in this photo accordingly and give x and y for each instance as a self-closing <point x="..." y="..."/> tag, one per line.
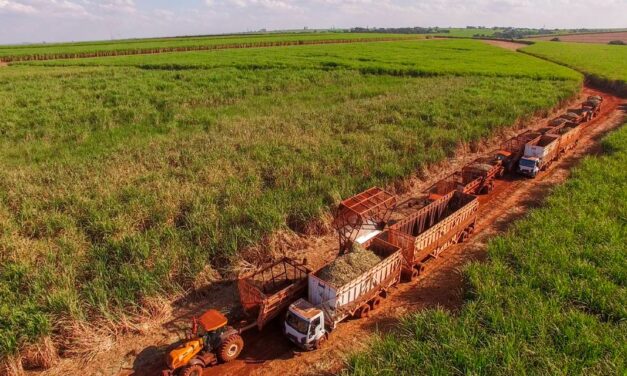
<point x="399" y="30"/>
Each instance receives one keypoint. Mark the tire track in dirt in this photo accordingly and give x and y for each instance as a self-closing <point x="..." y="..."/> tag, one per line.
<point x="269" y="353"/>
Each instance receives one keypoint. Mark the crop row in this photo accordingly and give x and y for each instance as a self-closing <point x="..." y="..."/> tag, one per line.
<point x="401" y="58"/>
<point x="182" y="45"/>
<point x="604" y="65"/>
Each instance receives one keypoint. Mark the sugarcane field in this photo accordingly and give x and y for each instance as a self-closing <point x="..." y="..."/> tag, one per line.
<point x="280" y="187"/>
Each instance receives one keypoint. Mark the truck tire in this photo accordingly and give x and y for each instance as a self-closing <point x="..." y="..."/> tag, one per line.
<point x="230" y="348"/>
<point x="320" y="342"/>
<point x="375" y="303"/>
<point x="363" y="311"/>
<point x="194" y="370"/>
<point x="462" y="237"/>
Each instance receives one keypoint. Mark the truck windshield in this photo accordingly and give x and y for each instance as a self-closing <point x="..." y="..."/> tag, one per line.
<point x="297" y="323"/>
<point x="527" y="163"/>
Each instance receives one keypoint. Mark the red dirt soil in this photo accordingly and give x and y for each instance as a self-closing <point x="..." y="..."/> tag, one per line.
<point x="588" y="38"/>
<point x="514" y="46"/>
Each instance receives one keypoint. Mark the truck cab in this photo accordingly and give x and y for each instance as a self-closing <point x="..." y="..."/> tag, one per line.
<point x="529" y="166"/>
<point x="304" y="325"/>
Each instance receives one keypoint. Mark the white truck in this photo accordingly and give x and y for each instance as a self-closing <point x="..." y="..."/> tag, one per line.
<point x="309" y="321"/>
<point x="539" y="153"/>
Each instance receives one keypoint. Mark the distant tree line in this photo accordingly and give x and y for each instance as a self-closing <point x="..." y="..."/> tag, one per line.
<point x="515" y="33"/>
<point x="399" y="30"/>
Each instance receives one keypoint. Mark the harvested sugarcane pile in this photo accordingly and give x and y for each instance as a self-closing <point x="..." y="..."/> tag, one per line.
<point x="345" y="268"/>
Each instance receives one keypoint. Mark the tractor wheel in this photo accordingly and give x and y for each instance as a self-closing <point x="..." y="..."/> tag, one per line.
<point x="363" y="312"/>
<point x="375" y="303"/>
<point x="231" y="348"/>
<point x="195" y="370"/>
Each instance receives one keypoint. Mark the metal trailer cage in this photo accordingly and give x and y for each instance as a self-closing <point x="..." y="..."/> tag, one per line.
<point x="267" y="292"/>
<point x="363" y="216"/>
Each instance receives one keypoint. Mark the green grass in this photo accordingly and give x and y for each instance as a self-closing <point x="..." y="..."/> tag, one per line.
<point x="604" y="62"/>
<point x="123" y="47"/>
<point x="410" y="58"/>
<point x="121" y="182"/>
<point x="552" y="299"/>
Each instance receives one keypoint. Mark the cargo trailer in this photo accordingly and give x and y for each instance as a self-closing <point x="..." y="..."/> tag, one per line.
<point x="268" y="292"/>
<point x="475" y="178"/>
<point x="568" y="136"/>
<point x="479" y="175"/>
<point x="576" y="116"/>
<point x="428" y="231"/>
<point x="593" y="104"/>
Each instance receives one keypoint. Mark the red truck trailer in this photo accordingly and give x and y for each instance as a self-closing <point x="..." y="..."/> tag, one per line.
<point x="266" y="293"/>
<point x="475" y="178"/>
<point x="568" y="136"/>
<point x="429" y="230"/>
<point x="593" y="104"/>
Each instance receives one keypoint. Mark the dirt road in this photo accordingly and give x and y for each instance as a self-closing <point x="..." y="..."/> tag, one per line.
<point x="514" y="46"/>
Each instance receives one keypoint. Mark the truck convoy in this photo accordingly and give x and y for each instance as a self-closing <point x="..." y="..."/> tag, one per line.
<point x="561" y="135"/>
<point x="404" y="247"/>
<point x="401" y="238"/>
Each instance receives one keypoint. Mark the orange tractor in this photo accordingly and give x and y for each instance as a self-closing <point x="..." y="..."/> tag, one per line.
<point x="212" y="340"/>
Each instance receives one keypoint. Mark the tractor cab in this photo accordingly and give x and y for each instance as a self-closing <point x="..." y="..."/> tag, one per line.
<point x="304" y="325"/>
<point x="211" y="341"/>
<point x="210" y="327"/>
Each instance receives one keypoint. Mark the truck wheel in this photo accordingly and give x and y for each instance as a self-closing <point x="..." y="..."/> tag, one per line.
<point x="363" y="312"/>
<point x="407" y="275"/>
<point x="231" y="348"/>
<point x="375" y="303"/>
<point x="319" y="342"/>
<point x="463" y="236"/>
<point x="195" y="370"/>
<point x="415" y="273"/>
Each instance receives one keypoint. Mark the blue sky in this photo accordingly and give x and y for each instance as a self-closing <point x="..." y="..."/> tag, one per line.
<point x="68" y="20"/>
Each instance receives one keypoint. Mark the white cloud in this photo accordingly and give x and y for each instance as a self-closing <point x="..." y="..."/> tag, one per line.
<point x="37" y="20"/>
<point x="8" y="6"/>
<point x="117" y="6"/>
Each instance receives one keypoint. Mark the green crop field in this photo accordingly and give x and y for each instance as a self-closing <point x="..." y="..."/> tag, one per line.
<point x="124" y="47"/>
<point x="405" y="58"/>
<point x="552" y="300"/>
<point x="133" y="176"/>
<point x="603" y="62"/>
